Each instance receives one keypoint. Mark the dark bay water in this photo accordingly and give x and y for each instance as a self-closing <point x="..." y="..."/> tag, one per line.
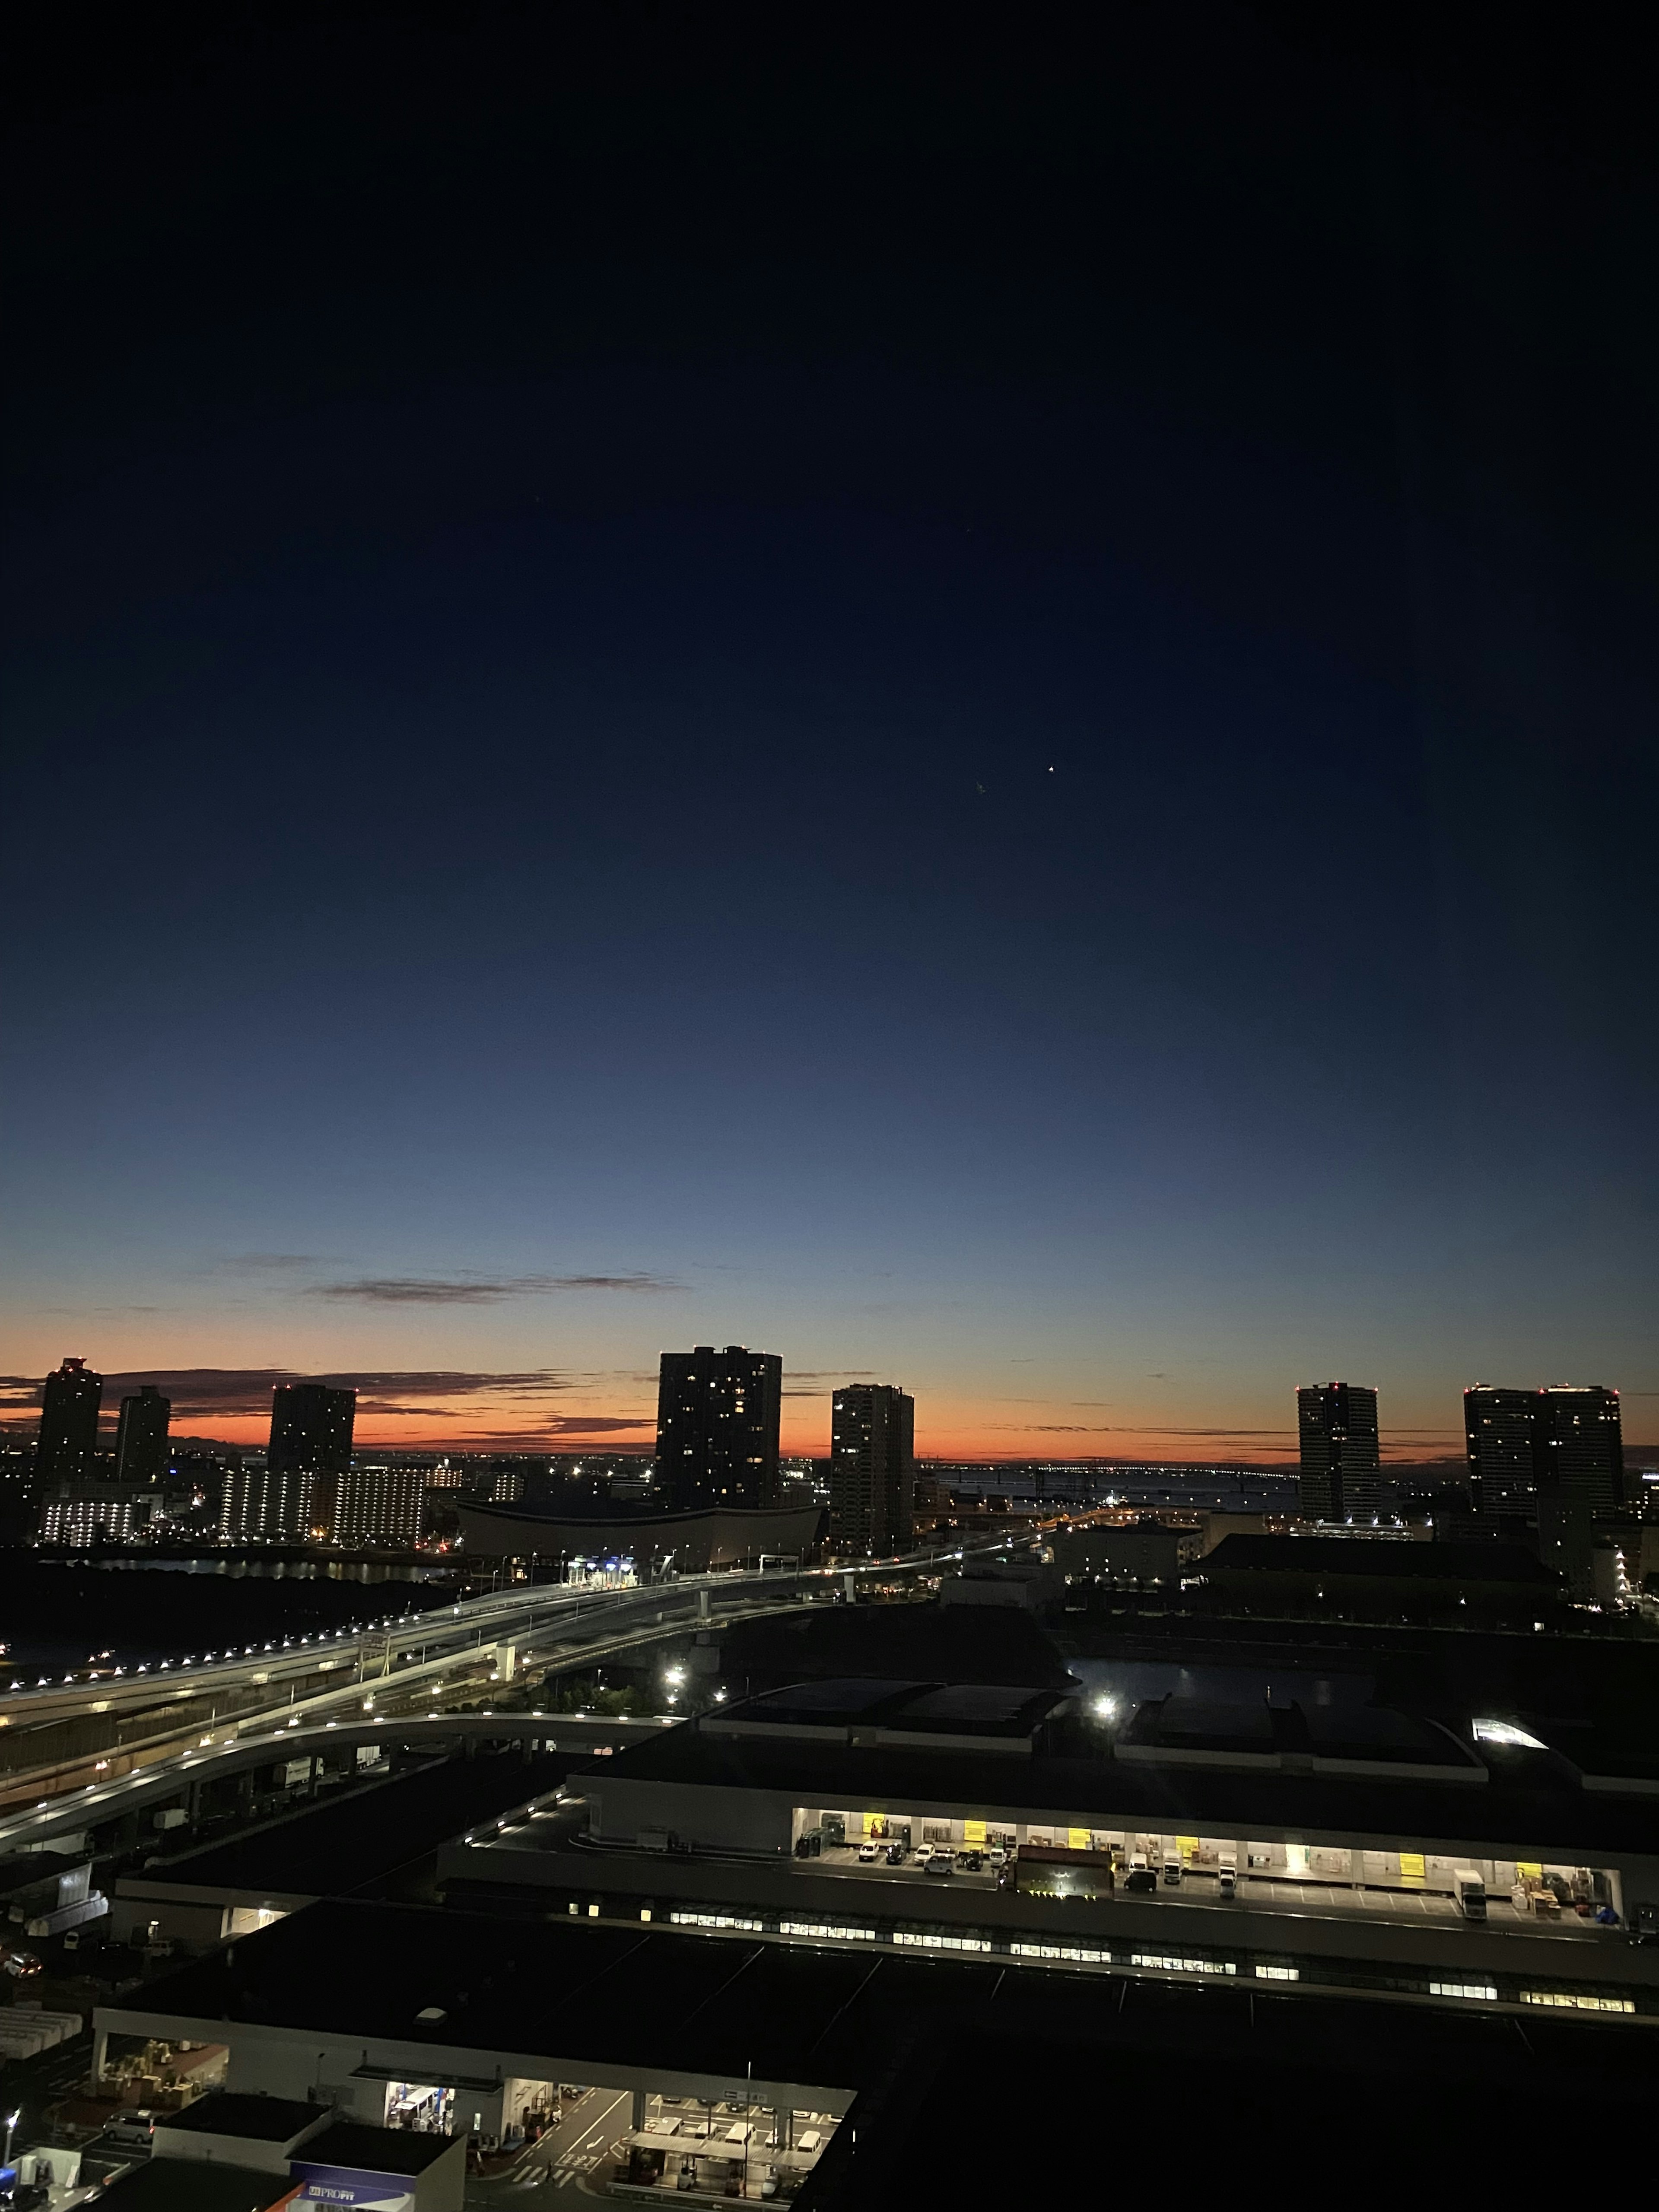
<point x="55" y="1616"/>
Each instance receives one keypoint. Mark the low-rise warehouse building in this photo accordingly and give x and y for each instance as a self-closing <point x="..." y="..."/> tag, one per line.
<point x="351" y="1846"/>
<point x="242" y="2149"/>
<point x="696" y="2059"/>
<point x="1346" y="1578"/>
<point x="1146" y="1551"/>
<point x="1361" y="1836"/>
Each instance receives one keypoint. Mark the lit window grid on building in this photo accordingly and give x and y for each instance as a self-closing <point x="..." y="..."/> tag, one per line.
<point x="82" y="1521"/>
<point x="380" y="1505"/>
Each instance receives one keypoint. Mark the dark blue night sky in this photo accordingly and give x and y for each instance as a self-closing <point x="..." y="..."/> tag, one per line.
<point x="986" y="718"/>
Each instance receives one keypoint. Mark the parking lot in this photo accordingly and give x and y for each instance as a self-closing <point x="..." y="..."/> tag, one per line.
<point x="927" y="1871"/>
<point x="930" y="1868"/>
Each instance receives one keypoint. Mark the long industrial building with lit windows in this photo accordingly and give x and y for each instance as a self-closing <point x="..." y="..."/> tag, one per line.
<point x="1353" y="1847"/>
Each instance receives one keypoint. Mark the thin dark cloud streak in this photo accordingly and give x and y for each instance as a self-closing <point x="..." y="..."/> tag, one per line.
<point x="244" y="1393"/>
<point x="267" y="1263"/>
<point x="577" y="1425"/>
<point x="482" y="1291"/>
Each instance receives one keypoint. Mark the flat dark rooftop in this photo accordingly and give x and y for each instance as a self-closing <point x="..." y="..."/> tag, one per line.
<point x="192" y="2185"/>
<point x="976" y="1708"/>
<point x="1255" y="2054"/>
<point x="990" y="1709"/>
<point x="1208" y="1800"/>
<point x="1373" y="1733"/>
<point x="711" y="2006"/>
<point x="1381" y="1559"/>
<point x="826" y="1702"/>
<point x="909" y="1643"/>
<point x="351" y="1843"/>
<point x="28" y="1869"/>
<point x="257" y="2119"/>
<point x="1584" y="1678"/>
<point x="646" y="1997"/>
<point x="373" y="2151"/>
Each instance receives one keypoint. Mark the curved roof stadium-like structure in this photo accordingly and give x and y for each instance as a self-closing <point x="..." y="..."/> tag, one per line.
<point x="722" y="1536"/>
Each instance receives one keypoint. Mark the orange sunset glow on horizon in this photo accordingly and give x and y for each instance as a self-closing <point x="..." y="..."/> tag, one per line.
<point x="437" y="1410"/>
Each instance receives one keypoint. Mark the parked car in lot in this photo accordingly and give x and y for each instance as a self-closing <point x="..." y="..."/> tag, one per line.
<point x="998" y="1856"/>
<point x="1141" y="1881"/>
<point x="924" y="1853"/>
<point x="972" y="1862"/>
<point x="942" y="1863"/>
<point x="1172" y="1874"/>
<point x="897" y="1854"/>
<point x="867" y="1854"/>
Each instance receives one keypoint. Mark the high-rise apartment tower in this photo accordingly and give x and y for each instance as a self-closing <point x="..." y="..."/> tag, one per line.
<point x="69" y="1426"/>
<point x="717" y="1427"/>
<point x="1524" y="1443"/>
<point x="873" y="1469"/>
<point x="1341" y="1458"/>
<point x="311" y="1428"/>
<point x="141" y="1440"/>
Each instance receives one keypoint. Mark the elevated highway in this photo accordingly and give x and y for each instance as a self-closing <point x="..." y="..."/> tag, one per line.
<point x="173" y="1729"/>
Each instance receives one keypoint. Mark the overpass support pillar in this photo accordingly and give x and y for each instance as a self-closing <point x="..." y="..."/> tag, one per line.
<point x="193" y="1803"/>
<point x="638" y="2121"/>
<point x="245" y="1791"/>
<point x="702" y="1603"/>
<point x="852" y="1589"/>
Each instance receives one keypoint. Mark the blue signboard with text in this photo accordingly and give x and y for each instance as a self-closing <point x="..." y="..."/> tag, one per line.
<point x="349" y="2185"/>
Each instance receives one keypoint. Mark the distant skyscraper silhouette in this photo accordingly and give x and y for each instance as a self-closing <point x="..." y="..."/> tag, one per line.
<point x="1582" y="1445"/>
<point x="1500" y="1434"/>
<point x="1342" y="1457"/>
<point x="1523" y="1444"/>
<point x="141" y="1440"/>
<point x="311" y="1432"/>
<point x="69" y="1426"/>
<point x="872" y="1469"/>
<point x="718" y="1415"/>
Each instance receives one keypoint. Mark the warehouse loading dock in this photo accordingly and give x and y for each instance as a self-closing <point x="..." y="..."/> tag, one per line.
<point x="1045" y="1858"/>
<point x="1378" y="1833"/>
